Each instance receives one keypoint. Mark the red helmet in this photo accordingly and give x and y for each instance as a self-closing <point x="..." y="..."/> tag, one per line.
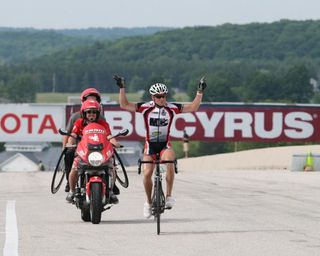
<point x="90" y="105"/>
<point x="90" y="92"/>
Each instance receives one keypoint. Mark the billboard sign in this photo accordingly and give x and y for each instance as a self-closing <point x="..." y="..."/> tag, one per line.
<point x="230" y="122"/>
<point x="212" y="122"/>
<point x="31" y="122"/>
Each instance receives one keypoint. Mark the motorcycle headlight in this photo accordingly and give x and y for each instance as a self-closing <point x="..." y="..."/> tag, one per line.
<point x="95" y="158"/>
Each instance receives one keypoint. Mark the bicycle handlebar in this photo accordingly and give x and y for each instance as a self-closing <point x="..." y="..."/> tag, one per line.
<point x="140" y="162"/>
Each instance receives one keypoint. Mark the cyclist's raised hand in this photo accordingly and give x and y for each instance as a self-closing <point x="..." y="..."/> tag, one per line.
<point x="202" y="84"/>
<point x="120" y="81"/>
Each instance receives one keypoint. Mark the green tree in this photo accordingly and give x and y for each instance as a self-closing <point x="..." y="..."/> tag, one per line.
<point x="219" y="88"/>
<point x="316" y="98"/>
<point x="200" y="148"/>
<point x="263" y="85"/>
<point x="135" y="84"/>
<point x="22" y="89"/>
<point x="3" y="92"/>
<point x="297" y="84"/>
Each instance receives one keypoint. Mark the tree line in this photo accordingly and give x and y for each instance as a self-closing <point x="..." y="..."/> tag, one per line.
<point x="253" y="62"/>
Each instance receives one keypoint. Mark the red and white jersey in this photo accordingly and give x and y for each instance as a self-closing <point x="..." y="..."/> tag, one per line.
<point x="158" y="120"/>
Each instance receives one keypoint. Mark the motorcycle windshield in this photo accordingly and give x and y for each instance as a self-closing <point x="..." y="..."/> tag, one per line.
<point x="94" y="138"/>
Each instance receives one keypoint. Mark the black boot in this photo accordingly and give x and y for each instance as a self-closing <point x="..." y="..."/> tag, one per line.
<point x="67" y="188"/>
<point x="114" y="199"/>
<point x="115" y="189"/>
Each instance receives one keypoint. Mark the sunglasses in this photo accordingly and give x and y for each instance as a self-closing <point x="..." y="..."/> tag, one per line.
<point x="91" y="112"/>
<point x="160" y="96"/>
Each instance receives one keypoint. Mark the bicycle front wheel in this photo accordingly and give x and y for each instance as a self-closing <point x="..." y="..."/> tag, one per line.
<point x="158" y="204"/>
<point x="59" y="173"/>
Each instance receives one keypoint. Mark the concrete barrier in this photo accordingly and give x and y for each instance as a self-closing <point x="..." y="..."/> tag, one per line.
<point x="298" y="162"/>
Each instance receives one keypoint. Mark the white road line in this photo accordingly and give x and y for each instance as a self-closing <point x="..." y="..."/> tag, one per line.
<point x="11" y="243"/>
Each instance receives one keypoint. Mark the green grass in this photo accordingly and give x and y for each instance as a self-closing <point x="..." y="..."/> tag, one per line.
<point x="54" y="97"/>
<point x="63" y="97"/>
<point x="181" y="97"/>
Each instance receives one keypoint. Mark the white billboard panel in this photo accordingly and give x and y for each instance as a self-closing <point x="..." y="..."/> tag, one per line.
<point x="31" y="122"/>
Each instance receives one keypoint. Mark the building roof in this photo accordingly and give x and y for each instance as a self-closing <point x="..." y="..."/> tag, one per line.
<point x="49" y="155"/>
<point x="26" y="146"/>
<point x="18" y="163"/>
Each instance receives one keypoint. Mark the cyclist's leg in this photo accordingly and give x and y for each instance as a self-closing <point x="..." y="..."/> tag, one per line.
<point x="73" y="177"/>
<point x="149" y="155"/>
<point x="147" y="177"/>
<point x="169" y="155"/>
<point x="68" y="160"/>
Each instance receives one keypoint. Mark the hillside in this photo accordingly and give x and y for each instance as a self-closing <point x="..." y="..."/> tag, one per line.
<point x="111" y="33"/>
<point x="20" y="45"/>
<point x="231" y="54"/>
<point x="258" y="62"/>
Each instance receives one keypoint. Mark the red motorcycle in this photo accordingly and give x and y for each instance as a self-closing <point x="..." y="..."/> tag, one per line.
<point x="98" y="167"/>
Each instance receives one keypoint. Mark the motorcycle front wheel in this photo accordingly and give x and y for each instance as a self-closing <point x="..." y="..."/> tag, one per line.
<point x="95" y="202"/>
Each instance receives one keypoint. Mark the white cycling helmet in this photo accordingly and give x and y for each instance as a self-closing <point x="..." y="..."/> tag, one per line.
<point x="158" y="89"/>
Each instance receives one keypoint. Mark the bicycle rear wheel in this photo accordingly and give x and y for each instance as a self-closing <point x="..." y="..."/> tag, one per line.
<point x="121" y="173"/>
<point x="58" y="173"/>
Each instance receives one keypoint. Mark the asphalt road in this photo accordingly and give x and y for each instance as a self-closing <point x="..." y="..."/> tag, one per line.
<point x="217" y="213"/>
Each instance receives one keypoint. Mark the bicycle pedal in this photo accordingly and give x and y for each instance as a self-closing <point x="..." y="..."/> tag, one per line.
<point x="72" y="202"/>
<point x="107" y="208"/>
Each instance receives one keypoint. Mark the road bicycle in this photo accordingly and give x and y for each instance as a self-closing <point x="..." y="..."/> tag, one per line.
<point x="158" y="205"/>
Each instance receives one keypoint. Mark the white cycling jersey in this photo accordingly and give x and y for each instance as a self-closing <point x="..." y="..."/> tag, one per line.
<point x="158" y="119"/>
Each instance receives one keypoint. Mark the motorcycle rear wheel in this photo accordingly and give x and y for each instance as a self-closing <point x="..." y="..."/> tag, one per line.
<point x="59" y="173"/>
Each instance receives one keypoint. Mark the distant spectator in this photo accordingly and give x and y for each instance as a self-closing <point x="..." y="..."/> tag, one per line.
<point x="185" y="144"/>
<point x="41" y="166"/>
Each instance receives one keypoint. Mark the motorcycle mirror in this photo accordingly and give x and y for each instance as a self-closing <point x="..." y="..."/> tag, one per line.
<point x="124" y="132"/>
<point x="63" y="132"/>
<point x="121" y="133"/>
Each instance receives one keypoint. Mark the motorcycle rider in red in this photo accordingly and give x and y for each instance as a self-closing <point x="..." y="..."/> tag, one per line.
<point x="89" y="93"/>
<point x="158" y="115"/>
<point x="90" y="112"/>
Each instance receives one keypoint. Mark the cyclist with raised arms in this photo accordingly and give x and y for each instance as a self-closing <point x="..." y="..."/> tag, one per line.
<point x="158" y="116"/>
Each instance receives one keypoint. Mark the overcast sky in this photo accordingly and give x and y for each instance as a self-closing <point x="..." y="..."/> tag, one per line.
<point x="58" y="14"/>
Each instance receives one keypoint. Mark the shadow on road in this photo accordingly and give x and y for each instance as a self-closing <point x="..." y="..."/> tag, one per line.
<point x="151" y="220"/>
<point x="206" y="232"/>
